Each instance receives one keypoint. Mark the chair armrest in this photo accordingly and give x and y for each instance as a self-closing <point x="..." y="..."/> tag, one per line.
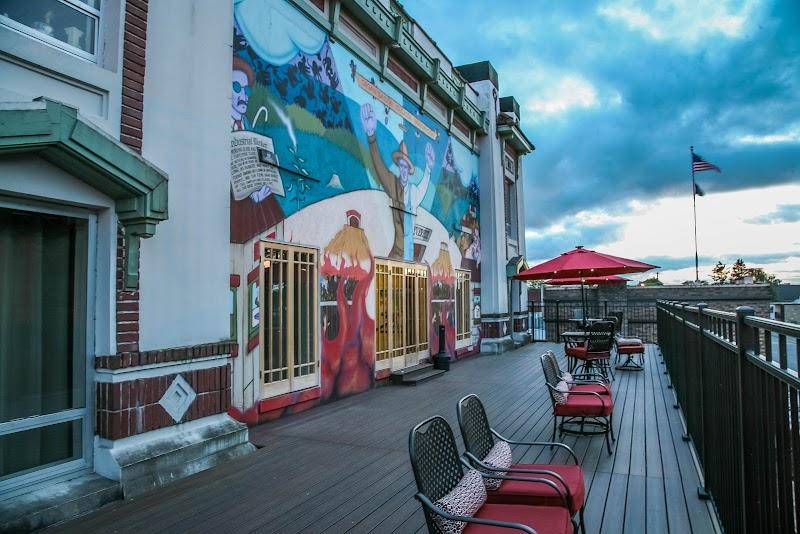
<point x="472" y="459"/>
<point x="596" y="382"/>
<point x="537" y="443"/>
<point x="426" y="502"/>
<point x="564" y="499"/>
<point x="603" y="402"/>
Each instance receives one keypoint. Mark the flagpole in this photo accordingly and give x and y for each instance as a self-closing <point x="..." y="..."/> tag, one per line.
<point x="694" y="208"/>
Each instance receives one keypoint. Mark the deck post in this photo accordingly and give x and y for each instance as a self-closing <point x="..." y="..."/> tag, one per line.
<point x="701" y="326"/>
<point x="745" y="340"/>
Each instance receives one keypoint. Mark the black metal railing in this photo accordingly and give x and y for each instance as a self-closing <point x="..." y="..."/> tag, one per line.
<point x="735" y="377"/>
<point x="550" y="318"/>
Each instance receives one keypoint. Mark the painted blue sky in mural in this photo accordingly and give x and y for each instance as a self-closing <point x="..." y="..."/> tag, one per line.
<point x="613" y="93"/>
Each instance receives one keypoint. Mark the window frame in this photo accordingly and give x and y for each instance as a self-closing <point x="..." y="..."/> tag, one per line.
<point x="84" y="323"/>
<point x="389" y="357"/>
<point x="463" y="305"/>
<point x="358" y="35"/>
<point x="76" y="5"/>
<point x="292" y="383"/>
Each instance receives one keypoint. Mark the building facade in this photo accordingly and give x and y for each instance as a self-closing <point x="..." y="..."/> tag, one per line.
<point x="213" y="214"/>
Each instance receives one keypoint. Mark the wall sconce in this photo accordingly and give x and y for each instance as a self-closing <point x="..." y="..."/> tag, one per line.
<point x="266" y="263"/>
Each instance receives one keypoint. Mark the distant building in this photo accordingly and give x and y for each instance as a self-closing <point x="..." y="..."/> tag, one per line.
<point x="223" y="212"/>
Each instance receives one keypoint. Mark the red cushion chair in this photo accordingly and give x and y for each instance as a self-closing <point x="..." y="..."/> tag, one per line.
<point x="442" y="485"/>
<point x="480" y="440"/>
<point x="577" y="409"/>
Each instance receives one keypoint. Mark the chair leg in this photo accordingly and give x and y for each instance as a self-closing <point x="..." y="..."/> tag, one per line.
<point x="555" y="418"/>
<point x="608" y="442"/>
<point x="583" y="523"/>
<point x="611" y="426"/>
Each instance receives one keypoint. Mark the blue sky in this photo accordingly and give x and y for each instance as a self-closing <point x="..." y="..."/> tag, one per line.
<point x="613" y="92"/>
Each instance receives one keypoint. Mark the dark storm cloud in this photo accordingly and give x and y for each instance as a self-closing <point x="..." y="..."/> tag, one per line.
<point x="721" y="94"/>
<point x="785" y="213"/>
<point x="550" y="245"/>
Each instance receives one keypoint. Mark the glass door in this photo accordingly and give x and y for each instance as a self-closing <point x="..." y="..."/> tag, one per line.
<point x="44" y="417"/>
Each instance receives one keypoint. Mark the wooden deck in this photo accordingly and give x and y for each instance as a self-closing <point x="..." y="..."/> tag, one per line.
<point x="344" y="466"/>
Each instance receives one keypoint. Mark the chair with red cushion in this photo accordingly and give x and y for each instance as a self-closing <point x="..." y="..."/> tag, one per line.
<point x="448" y="495"/>
<point x="595" y="352"/>
<point x="577" y="409"/>
<point x="480" y="439"/>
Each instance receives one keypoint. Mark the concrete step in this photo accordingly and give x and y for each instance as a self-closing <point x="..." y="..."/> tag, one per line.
<point x="56" y="503"/>
<point x="411" y="376"/>
<point x="424" y="376"/>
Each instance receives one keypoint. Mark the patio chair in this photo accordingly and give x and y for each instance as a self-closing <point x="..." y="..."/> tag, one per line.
<point x="454" y="500"/>
<point x="577" y="409"/>
<point x="627" y="346"/>
<point x="484" y="444"/>
<point x="595" y="352"/>
<point x="591" y="381"/>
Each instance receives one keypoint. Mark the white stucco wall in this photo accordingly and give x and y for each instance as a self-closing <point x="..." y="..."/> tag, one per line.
<point x="184" y="280"/>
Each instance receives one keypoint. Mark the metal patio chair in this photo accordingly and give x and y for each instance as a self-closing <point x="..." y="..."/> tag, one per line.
<point x="595" y="353"/>
<point x="439" y="470"/>
<point x="479" y="439"/>
<point x="577" y="409"/>
<point x="627" y="346"/>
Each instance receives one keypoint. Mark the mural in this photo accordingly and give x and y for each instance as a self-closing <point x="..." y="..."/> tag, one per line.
<point x="310" y="122"/>
<point x="348" y="332"/>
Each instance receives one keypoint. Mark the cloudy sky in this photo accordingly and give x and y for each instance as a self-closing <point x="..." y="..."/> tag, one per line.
<point x="613" y="92"/>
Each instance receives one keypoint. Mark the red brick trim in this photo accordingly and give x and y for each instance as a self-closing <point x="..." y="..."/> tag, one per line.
<point x="129" y="408"/>
<point x="134" y="46"/>
<point x="127" y="304"/>
<point x="257" y="251"/>
<point x="135" y="358"/>
<point x="252" y="276"/>
<point x="282" y="401"/>
<point x="236" y="280"/>
<point x="382" y="374"/>
<point x="252" y="343"/>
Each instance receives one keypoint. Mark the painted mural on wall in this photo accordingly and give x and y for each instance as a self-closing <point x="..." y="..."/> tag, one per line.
<point x="348" y="332"/>
<point x="311" y="122"/>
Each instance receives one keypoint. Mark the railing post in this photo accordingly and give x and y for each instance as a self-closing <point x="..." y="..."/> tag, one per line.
<point x="745" y="340"/>
<point x="701" y="324"/>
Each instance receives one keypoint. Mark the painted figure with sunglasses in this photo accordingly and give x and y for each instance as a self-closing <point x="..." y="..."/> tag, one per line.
<point x="240" y="95"/>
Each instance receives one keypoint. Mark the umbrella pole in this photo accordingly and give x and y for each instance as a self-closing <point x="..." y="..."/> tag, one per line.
<point x="583" y="302"/>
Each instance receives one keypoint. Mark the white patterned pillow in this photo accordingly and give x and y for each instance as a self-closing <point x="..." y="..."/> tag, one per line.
<point x="566" y="377"/>
<point x="465" y="499"/>
<point x="561" y="393"/>
<point x="498" y="457"/>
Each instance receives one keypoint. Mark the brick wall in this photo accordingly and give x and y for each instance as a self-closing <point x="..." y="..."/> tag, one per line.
<point x="132" y="407"/>
<point x="133" y="68"/>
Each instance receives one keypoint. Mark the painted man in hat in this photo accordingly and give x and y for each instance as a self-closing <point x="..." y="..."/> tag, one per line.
<point x="405" y="196"/>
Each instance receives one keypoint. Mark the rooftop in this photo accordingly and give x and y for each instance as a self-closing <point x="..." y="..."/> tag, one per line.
<point x="345" y="466"/>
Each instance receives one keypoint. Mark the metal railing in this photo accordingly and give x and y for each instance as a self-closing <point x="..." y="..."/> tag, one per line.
<point x="735" y="378"/>
<point x="549" y="319"/>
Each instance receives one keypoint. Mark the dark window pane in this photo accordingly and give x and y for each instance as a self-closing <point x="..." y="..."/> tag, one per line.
<point x="39" y="447"/>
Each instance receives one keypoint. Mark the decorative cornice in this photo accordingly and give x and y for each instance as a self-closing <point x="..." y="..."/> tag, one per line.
<point x="61" y="136"/>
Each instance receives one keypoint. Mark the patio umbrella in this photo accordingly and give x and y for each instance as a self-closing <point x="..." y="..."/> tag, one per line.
<point x="581" y="263"/>
<point x="590" y="280"/>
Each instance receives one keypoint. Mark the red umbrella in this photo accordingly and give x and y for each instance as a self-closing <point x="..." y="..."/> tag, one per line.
<point x="580" y="263"/>
<point x="613" y="279"/>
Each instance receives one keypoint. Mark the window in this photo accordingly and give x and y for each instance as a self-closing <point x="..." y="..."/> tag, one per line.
<point x="461" y="127"/>
<point x="463" y="305"/>
<point x="358" y="34"/>
<point x="403" y="74"/>
<point x="437" y="106"/>
<point x="401" y="294"/>
<point x="68" y="24"/>
<point x="507" y="185"/>
<point x="45" y="423"/>
<point x="290" y="315"/>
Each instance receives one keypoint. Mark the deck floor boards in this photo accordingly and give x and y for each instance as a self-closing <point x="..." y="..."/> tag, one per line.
<point x="344" y="467"/>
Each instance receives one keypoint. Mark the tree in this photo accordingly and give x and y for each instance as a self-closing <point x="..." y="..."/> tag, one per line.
<point x="738" y="271"/>
<point x="760" y="276"/>
<point x="652" y="281"/>
<point x="719" y="273"/>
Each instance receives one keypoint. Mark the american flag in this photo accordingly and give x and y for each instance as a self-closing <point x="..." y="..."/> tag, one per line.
<point x="699" y="164"/>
